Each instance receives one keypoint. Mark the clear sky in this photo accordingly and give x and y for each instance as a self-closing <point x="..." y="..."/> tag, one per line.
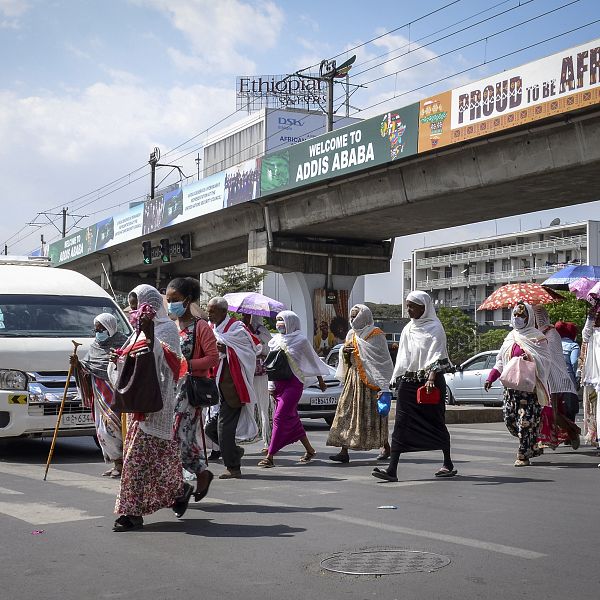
<point x="89" y="87"/>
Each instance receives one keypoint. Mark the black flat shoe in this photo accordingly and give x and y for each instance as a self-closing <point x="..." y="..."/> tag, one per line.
<point x="128" y="523"/>
<point x="383" y="456"/>
<point x="214" y="456"/>
<point x="180" y="505"/>
<point x="381" y="474"/>
<point x="199" y="495"/>
<point x="341" y="458"/>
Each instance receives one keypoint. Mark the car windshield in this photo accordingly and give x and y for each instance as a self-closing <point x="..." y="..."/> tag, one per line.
<point x="23" y="315"/>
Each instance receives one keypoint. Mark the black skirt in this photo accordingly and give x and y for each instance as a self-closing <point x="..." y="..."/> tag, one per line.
<point x="420" y="427"/>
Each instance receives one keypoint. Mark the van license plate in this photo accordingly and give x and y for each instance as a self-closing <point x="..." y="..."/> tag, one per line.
<point x="77" y="420"/>
<point x="323" y="401"/>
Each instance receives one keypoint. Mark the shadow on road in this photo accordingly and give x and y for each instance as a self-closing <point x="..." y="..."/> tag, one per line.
<point x="261" y="509"/>
<point x="66" y="451"/>
<point x="273" y="476"/>
<point x="206" y="528"/>
<point x="496" y="479"/>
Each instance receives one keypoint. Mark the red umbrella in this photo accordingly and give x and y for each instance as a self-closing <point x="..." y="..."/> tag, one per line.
<point x="509" y="295"/>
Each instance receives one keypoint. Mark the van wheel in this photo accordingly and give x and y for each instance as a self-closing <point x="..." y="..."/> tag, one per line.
<point x="450" y="397"/>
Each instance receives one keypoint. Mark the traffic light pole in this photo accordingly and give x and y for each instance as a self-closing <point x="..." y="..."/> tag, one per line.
<point x="154" y="158"/>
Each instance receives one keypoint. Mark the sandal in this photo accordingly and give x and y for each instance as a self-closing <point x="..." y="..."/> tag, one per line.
<point x="383" y="456"/>
<point x="108" y="472"/>
<point x="382" y="474"/>
<point x="180" y="505"/>
<point x="202" y="494"/>
<point x="446" y="472"/>
<point x="307" y="457"/>
<point x="128" y="523"/>
<point x="266" y="463"/>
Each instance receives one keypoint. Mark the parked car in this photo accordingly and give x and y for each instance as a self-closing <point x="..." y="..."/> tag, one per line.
<point x="315" y="404"/>
<point x="465" y="385"/>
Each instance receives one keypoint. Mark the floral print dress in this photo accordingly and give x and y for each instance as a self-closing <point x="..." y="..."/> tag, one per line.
<point x="188" y="420"/>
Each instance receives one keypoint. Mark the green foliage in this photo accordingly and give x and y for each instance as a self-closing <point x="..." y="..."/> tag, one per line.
<point x="570" y="310"/>
<point x="491" y="339"/>
<point x="461" y="333"/>
<point x="237" y="279"/>
<point x="385" y="311"/>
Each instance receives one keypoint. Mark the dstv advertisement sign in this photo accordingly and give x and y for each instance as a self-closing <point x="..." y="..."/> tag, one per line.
<point x="288" y="127"/>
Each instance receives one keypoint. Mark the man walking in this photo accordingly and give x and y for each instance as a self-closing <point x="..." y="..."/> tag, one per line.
<point x="238" y="349"/>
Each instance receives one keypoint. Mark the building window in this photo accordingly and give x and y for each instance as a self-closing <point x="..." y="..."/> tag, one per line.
<point x="506" y="314"/>
<point x="506" y="264"/>
<point x="489" y="315"/>
<point x="489" y="267"/>
<point x="448" y="272"/>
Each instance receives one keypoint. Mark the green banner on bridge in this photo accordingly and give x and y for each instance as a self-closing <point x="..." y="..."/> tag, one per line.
<point x="377" y="141"/>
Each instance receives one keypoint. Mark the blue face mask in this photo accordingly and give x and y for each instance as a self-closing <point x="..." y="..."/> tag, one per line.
<point x="280" y="327"/>
<point x="177" y="309"/>
<point x="102" y="336"/>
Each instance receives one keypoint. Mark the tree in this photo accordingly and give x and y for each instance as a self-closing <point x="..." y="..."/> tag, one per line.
<point x="570" y="309"/>
<point x="461" y="333"/>
<point x="237" y="279"/>
<point x="491" y="339"/>
<point x="385" y="311"/>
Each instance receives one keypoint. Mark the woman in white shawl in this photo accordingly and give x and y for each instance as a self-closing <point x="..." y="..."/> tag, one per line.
<point x="152" y="476"/>
<point x="590" y="377"/>
<point x="421" y="362"/>
<point x="365" y="368"/>
<point x="522" y="410"/>
<point x="305" y="365"/>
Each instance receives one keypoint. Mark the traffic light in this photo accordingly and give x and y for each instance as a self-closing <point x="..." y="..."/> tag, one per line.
<point x="147" y="250"/>
<point x="165" y="250"/>
<point x="186" y="245"/>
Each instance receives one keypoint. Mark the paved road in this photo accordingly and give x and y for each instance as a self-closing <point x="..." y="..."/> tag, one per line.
<point x="509" y="533"/>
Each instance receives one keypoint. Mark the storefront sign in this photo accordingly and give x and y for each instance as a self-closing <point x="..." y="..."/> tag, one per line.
<point x="375" y="141"/>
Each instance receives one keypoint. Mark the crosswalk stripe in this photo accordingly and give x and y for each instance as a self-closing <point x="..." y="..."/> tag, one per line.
<point x="8" y="492"/>
<point x="36" y="513"/>
<point x="508" y="439"/>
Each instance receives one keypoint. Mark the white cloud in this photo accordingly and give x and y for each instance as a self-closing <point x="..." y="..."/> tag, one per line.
<point x="220" y="34"/>
<point x="11" y="10"/>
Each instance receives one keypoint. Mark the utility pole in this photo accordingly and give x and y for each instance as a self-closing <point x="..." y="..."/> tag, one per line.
<point x="198" y="160"/>
<point x="43" y="244"/>
<point x="64" y="222"/>
<point x="154" y="158"/>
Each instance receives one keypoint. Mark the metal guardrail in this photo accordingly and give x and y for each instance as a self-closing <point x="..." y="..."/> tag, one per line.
<point x="573" y="241"/>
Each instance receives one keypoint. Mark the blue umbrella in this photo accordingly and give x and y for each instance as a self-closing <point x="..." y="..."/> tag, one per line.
<point x="561" y="279"/>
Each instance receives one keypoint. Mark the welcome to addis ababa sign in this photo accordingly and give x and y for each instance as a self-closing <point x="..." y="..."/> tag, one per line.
<point x="564" y="82"/>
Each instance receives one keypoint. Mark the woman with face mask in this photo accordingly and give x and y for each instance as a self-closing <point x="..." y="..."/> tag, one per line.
<point x="365" y="368"/>
<point x="304" y="366"/>
<point x="94" y="368"/>
<point x="199" y="348"/>
<point x="522" y="409"/>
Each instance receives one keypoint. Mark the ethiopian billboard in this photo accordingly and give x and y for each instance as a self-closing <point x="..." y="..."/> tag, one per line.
<point x="376" y="141"/>
<point x="560" y="83"/>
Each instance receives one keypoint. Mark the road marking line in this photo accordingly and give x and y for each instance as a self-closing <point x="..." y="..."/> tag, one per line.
<point x="10" y="492"/>
<point x="462" y="446"/>
<point x="36" y="513"/>
<point x="470" y="430"/>
<point x="442" y="537"/>
<point x="509" y="439"/>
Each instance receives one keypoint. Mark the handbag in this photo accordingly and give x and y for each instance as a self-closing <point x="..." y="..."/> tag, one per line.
<point x="519" y="374"/>
<point x="200" y="391"/>
<point x="384" y="404"/>
<point x="425" y="397"/>
<point x="138" y="388"/>
<point x="277" y="366"/>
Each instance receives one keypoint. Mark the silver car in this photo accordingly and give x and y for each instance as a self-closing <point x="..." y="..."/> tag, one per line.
<point x="315" y="404"/>
<point x="466" y="384"/>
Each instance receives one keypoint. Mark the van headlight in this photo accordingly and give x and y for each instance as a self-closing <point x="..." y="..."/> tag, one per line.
<point x="12" y="380"/>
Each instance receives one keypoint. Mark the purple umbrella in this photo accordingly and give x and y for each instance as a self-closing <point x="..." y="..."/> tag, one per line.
<point x="253" y="303"/>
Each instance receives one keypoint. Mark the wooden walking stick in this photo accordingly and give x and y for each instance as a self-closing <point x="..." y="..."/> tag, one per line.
<point x="60" y="410"/>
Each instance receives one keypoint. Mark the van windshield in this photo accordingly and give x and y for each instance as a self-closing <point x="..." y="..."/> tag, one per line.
<point x="23" y="315"/>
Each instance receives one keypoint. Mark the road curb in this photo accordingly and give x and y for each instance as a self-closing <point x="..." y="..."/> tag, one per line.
<point x="464" y="415"/>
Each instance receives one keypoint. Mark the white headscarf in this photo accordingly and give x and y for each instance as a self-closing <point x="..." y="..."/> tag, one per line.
<point x="372" y="356"/>
<point x="164" y="328"/>
<point x="302" y="359"/>
<point x="423" y="340"/>
<point x="108" y="321"/>
<point x="533" y="342"/>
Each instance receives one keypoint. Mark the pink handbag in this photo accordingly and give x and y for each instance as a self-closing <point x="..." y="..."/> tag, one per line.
<point x="519" y="374"/>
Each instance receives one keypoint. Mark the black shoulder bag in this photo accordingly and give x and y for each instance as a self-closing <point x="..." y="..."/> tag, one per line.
<point x="277" y="366"/>
<point x="201" y="391"/>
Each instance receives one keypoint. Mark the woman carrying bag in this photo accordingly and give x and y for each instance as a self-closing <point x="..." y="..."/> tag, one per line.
<point x="152" y="475"/>
<point x="291" y="364"/>
<point x="199" y="348"/>
<point x="418" y="375"/>
<point x="522" y="366"/>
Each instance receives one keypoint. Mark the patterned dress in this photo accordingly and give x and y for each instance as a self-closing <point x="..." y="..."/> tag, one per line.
<point x="522" y="419"/>
<point x="188" y="420"/>
<point x="357" y="424"/>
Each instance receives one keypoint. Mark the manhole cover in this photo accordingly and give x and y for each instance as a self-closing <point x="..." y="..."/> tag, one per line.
<point x="384" y="562"/>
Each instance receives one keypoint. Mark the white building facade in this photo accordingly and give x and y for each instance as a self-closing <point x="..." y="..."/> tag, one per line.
<point x="462" y="275"/>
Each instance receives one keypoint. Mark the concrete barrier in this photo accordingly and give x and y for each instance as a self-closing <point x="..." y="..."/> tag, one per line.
<point x="463" y="415"/>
